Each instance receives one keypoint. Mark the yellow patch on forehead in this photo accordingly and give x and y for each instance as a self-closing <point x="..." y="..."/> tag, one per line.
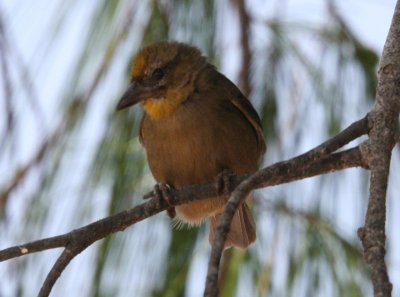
<point x="181" y="60"/>
<point x="139" y="65"/>
<point x="152" y="56"/>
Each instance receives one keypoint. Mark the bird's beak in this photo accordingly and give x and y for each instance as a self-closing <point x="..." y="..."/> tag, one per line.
<point x="134" y="94"/>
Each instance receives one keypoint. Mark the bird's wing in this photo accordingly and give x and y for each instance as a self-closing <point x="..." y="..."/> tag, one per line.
<point x="245" y="107"/>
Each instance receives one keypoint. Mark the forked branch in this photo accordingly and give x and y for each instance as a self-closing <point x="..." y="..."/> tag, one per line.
<point x="315" y="162"/>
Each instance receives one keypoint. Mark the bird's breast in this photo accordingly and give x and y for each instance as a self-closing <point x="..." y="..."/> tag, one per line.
<point x="193" y="146"/>
<point x="197" y="142"/>
<point x="179" y="151"/>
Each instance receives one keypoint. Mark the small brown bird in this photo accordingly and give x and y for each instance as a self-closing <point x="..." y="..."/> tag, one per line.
<point x="197" y="125"/>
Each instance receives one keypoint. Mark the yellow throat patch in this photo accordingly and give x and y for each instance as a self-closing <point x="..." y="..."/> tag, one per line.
<point x="163" y="107"/>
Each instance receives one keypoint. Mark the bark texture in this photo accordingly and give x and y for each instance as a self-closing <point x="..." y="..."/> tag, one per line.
<point x="383" y="135"/>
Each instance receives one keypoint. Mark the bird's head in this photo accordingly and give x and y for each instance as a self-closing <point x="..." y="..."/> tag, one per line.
<point x="163" y="77"/>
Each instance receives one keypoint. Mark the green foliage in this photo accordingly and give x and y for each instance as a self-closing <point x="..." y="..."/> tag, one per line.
<point x="314" y="258"/>
<point x="233" y="260"/>
<point x="157" y="26"/>
<point x="178" y="262"/>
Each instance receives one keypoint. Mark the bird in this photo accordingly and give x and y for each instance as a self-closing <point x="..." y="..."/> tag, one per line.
<point x="197" y="127"/>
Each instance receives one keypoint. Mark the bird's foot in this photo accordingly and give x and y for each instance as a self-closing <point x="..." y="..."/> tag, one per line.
<point x="223" y="183"/>
<point x="162" y="192"/>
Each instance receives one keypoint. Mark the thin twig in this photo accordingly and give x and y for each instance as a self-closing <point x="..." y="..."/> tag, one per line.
<point x="283" y="172"/>
<point x="289" y="171"/>
<point x="90" y="233"/>
<point x="55" y="272"/>
<point x="315" y="162"/>
<point x="274" y="175"/>
<point x="78" y="240"/>
<point x="309" y="163"/>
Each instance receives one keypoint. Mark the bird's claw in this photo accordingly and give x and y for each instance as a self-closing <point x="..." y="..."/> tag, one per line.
<point x="162" y="192"/>
<point x="223" y="183"/>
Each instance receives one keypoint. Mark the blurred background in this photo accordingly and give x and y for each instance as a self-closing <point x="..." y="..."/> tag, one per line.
<point x="67" y="158"/>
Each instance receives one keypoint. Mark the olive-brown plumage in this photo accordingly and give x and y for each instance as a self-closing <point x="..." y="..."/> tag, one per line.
<point x="197" y="124"/>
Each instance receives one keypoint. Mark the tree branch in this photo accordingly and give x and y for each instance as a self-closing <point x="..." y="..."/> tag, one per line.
<point x="315" y="162"/>
<point x="88" y="234"/>
<point x="55" y="272"/>
<point x="288" y="171"/>
<point x="283" y="172"/>
<point x="310" y="164"/>
<point x="383" y="136"/>
<point x="279" y="173"/>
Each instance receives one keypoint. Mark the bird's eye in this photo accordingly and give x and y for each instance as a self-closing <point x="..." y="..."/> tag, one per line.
<point x="157" y="74"/>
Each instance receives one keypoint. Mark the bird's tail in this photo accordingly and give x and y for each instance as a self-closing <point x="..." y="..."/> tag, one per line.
<point x="242" y="230"/>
